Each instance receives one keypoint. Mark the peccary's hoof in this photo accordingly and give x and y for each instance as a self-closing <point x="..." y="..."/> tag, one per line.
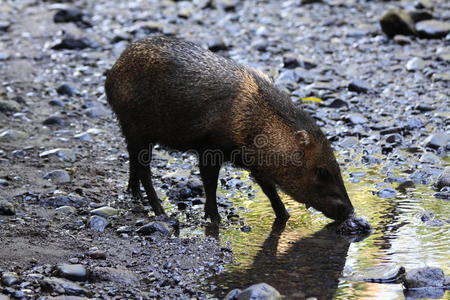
<point x="354" y="225"/>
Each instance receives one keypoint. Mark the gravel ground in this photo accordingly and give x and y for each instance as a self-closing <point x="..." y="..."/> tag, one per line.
<point x="60" y="145"/>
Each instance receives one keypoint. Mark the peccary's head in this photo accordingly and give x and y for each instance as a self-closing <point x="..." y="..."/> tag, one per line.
<point x="312" y="176"/>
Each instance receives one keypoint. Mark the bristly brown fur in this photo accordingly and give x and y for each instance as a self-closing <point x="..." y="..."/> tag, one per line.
<point x="175" y="93"/>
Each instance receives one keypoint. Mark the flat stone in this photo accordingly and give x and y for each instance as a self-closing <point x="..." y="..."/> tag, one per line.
<point x="66" y="209"/>
<point x="424" y="277"/>
<point x="105" y="211"/>
<point x="7" y="208"/>
<point x="57" y="176"/>
<point x="402" y="39"/>
<point x="84" y="137"/>
<point x="433" y="29"/>
<point x="355" y="118"/>
<point x="62" y="153"/>
<point x="72" y="272"/>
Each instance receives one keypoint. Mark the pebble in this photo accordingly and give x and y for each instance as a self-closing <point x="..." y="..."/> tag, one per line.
<point x="72" y="43"/>
<point x="424" y="277"/>
<point x="260" y="291"/>
<point x="437" y="140"/>
<point x="402" y="39"/>
<point x="9" y="106"/>
<point x="62" y="286"/>
<point x="354" y="225"/>
<point x="95" y="253"/>
<point x="84" y="137"/>
<point x="356" y="118"/>
<point x="433" y="29"/>
<point x="68" y="15"/>
<point x="294" y="61"/>
<point x="105" y="211"/>
<point x="153" y="227"/>
<point x="57" y="176"/>
<point x="444" y="179"/>
<point x="66" y="209"/>
<point x="4" y="25"/>
<point x="63" y="200"/>
<point x="98" y="223"/>
<point x="415" y="64"/>
<point x="386" y="193"/>
<point x="62" y="153"/>
<point x="66" y="89"/>
<point x="97" y="112"/>
<point x="7" y="208"/>
<point x="216" y="45"/>
<point x="10" y="279"/>
<point x="72" y="272"/>
<point x="358" y="86"/>
<point x="396" y="22"/>
<point x="54" y="120"/>
<point x="12" y="135"/>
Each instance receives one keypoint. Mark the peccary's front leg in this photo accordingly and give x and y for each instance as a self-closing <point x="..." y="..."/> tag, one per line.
<point x="271" y="192"/>
<point x="210" y="174"/>
<point x="140" y="158"/>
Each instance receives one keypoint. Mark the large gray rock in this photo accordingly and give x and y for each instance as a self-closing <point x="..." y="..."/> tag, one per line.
<point x="424" y="277"/>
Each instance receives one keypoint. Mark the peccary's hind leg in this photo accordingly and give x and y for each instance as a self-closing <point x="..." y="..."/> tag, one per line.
<point x="140" y="168"/>
<point x="210" y="175"/>
<point x="271" y="192"/>
<point x="134" y="186"/>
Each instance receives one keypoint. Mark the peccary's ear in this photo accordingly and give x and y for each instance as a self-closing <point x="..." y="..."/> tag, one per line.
<point x="303" y="138"/>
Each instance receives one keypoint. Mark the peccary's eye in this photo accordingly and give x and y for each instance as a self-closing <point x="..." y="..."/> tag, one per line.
<point x="323" y="174"/>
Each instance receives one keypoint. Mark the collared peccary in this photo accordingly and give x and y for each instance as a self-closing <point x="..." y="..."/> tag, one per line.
<point x="181" y="96"/>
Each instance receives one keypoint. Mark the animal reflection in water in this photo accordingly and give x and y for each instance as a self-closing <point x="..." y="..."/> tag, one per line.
<point x="310" y="266"/>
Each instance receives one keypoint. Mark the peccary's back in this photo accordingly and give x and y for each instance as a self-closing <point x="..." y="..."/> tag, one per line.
<point x="173" y="92"/>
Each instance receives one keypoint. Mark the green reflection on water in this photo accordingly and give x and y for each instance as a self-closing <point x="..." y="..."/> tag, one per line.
<point x="399" y="237"/>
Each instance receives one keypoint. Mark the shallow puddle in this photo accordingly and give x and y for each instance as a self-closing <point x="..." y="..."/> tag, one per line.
<point x="305" y="259"/>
